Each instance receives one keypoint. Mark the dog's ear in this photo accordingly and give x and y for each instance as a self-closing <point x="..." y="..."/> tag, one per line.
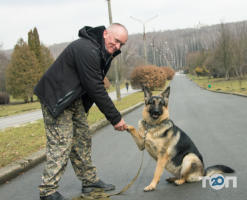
<point x="147" y="92"/>
<point x="166" y="92"/>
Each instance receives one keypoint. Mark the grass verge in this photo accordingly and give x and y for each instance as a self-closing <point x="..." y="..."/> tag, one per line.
<point x="22" y="141"/>
<point x="13" y="100"/>
<point x="8" y="110"/>
<point x="220" y="84"/>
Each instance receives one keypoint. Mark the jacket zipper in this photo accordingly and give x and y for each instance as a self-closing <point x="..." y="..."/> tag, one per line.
<point x="60" y="101"/>
<point x="109" y="60"/>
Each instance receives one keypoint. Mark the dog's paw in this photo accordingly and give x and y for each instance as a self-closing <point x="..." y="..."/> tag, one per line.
<point x="149" y="188"/>
<point x="179" y="182"/>
<point x="130" y="128"/>
<point x="171" y="180"/>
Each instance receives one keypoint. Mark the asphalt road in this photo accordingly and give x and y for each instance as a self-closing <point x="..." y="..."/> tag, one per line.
<point x="17" y="120"/>
<point x="215" y="122"/>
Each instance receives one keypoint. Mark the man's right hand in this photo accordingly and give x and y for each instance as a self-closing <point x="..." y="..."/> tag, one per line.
<point x="121" y="126"/>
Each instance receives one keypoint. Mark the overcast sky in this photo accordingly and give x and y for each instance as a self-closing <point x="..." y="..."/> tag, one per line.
<point x="58" y="21"/>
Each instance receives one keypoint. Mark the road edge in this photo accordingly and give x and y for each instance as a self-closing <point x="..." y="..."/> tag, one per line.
<point x="242" y="95"/>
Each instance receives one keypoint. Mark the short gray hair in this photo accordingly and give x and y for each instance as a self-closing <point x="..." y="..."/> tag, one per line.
<point x="114" y="25"/>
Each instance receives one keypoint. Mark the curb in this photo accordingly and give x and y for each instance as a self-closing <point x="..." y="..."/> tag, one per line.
<point x="15" y="169"/>
<point x="21" y="166"/>
<point x="242" y="95"/>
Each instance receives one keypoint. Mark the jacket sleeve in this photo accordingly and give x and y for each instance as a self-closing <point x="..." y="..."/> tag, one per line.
<point x="88" y="62"/>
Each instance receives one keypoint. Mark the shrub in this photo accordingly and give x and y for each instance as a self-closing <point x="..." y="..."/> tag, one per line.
<point x="205" y="71"/>
<point x="106" y="83"/>
<point x="202" y="71"/>
<point x="4" y="98"/>
<point x="151" y="76"/>
<point x="198" y="71"/>
<point x="187" y="70"/>
<point x="170" y="73"/>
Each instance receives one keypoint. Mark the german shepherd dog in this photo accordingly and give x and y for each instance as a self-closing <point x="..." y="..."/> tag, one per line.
<point x="168" y="145"/>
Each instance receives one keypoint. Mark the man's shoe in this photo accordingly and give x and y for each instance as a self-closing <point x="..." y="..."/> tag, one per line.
<point x="54" y="196"/>
<point x="97" y="184"/>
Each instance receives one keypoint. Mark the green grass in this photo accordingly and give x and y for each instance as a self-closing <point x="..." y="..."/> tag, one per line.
<point x="17" y="143"/>
<point x="7" y="110"/>
<point x="19" y="107"/>
<point x="220" y="84"/>
<point x="35" y="98"/>
<point x="112" y="89"/>
<point x="22" y="141"/>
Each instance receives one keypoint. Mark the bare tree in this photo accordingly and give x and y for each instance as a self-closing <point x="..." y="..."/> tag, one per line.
<point x="240" y="47"/>
<point x="224" y="52"/>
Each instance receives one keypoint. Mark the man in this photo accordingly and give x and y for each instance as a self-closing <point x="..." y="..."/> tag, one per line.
<point x="127" y="86"/>
<point x="67" y="90"/>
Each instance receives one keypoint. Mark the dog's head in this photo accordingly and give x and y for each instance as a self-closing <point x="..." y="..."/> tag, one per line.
<point x="156" y="109"/>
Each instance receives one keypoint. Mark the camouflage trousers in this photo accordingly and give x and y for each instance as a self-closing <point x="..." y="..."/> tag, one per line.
<point x="68" y="136"/>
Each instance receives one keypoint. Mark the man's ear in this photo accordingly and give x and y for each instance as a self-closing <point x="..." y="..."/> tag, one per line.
<point x="105" y="34"/>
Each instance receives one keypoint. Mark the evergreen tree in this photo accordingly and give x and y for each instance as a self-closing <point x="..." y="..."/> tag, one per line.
<point x="31" y="41"/>
<point x="47" y="57"/>
<point x="34" y="45"/>
<point x="22" y="74"/>
<point x="38" y="51"/>
<point x="4" y="61"/>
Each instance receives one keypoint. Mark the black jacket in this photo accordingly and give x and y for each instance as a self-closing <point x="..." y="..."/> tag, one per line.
<point x="78" y="72"/>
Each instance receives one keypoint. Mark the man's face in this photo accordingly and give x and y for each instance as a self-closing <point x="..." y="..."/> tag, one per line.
<point x="115" y="38"/>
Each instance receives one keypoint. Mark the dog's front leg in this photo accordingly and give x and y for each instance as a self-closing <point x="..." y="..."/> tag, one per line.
<point x="136" y="136"/>
<point x="161" y="162"/>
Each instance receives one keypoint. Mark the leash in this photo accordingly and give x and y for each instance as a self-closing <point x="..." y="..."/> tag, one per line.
<point x="99" y="193"/>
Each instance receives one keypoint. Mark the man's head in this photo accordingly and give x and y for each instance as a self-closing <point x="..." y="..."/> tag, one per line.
<point x="115" y="37"/>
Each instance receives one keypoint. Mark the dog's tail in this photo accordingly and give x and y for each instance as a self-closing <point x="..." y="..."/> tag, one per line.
<point x="218" y="169"/>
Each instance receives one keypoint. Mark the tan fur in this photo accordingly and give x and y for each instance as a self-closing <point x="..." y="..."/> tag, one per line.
<point x="161" y="162"/>
<point x="162" y="149"/>
<point x="139" y="139"/>
<point x="214" y="172"/>
<point x="190" y="162"/>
